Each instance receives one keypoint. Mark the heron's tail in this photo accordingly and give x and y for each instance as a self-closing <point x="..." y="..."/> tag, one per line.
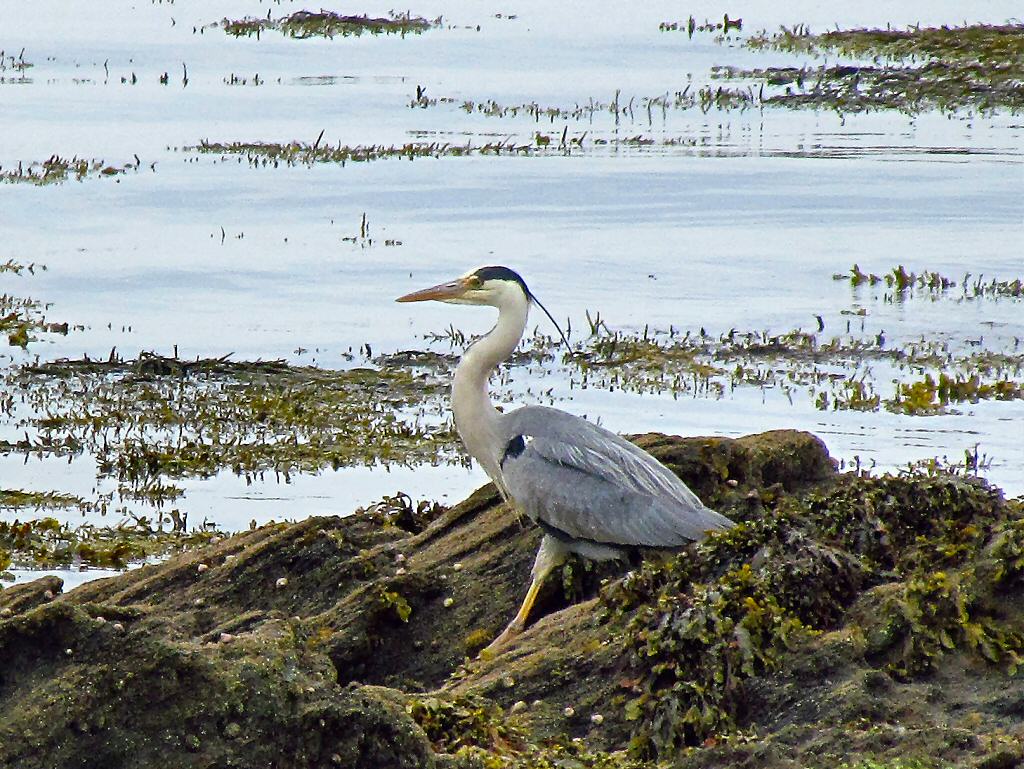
<point x="712" y="520"/>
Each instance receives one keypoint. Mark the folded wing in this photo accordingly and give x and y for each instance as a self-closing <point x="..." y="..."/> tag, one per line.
<point x="592" y="484"/>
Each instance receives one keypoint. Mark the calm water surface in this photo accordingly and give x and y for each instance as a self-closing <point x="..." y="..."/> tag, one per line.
<point x="742" y="227"/>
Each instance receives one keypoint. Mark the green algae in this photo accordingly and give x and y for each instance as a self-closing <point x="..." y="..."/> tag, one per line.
<point x="308" y="24"/>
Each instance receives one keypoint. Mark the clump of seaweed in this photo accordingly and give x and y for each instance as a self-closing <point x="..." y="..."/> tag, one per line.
<point x="910" y="565"/>
<point x="275" y="154"/>
<point x="17" y="498"/>
<point x="56" y="169"/>
<point x="8" y="61"/>
<point x="690" y="26"/>
<point x="399" y="511"/>
<point x="454" y="723"/>
<point x="932" y="395"/>
<point x="300" y="153"/>
<point x="978" y="66"/>
<point x="703" y="623"/>
<point x="906" y="283"/>
<point x="157" y="417"/>
<point x="21" y="318"/>
<point x="306" y="24"/>
<point x="48" y="543"/>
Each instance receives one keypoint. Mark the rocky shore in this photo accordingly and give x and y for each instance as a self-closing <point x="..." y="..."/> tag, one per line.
<point x="850" y="620"/>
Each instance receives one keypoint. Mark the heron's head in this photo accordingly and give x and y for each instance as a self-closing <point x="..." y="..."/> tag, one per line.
<point x="493" y="286"/>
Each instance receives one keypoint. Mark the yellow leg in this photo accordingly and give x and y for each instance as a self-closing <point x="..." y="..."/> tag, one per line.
<point x="549" y="557"/>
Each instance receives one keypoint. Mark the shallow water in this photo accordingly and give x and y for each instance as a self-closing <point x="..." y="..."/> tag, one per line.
<point x="743" y="229"/>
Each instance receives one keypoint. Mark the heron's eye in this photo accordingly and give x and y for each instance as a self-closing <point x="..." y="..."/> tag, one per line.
<point x="475" y="281"/>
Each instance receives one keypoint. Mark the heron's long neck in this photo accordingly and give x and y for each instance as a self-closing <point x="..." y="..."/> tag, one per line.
<point x="475" y="418"/>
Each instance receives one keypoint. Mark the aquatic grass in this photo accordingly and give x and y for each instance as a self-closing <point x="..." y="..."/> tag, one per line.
<point x="307" y="24"/>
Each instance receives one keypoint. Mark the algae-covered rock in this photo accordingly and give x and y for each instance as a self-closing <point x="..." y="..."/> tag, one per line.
<point x="846" y="619"/>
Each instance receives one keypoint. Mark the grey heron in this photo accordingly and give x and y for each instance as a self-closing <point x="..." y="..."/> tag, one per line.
<point x="591" y="491"/>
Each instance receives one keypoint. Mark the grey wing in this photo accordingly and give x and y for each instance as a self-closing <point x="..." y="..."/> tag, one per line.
<point x="592" y="484"/>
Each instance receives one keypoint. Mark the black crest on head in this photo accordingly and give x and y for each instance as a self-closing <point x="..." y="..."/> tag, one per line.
<point x="503" y="273"/>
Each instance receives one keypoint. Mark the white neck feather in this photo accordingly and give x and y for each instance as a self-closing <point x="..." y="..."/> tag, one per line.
<point x="476" y="419"/>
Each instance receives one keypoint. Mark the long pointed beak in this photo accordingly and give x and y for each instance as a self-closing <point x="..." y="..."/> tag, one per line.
<point x="451" y="290"/>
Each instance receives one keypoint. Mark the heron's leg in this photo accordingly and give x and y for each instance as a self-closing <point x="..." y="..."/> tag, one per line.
<point x="550" y="556"/>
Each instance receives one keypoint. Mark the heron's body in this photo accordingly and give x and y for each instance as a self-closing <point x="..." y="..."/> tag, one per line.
<point x="591" y="491"/>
